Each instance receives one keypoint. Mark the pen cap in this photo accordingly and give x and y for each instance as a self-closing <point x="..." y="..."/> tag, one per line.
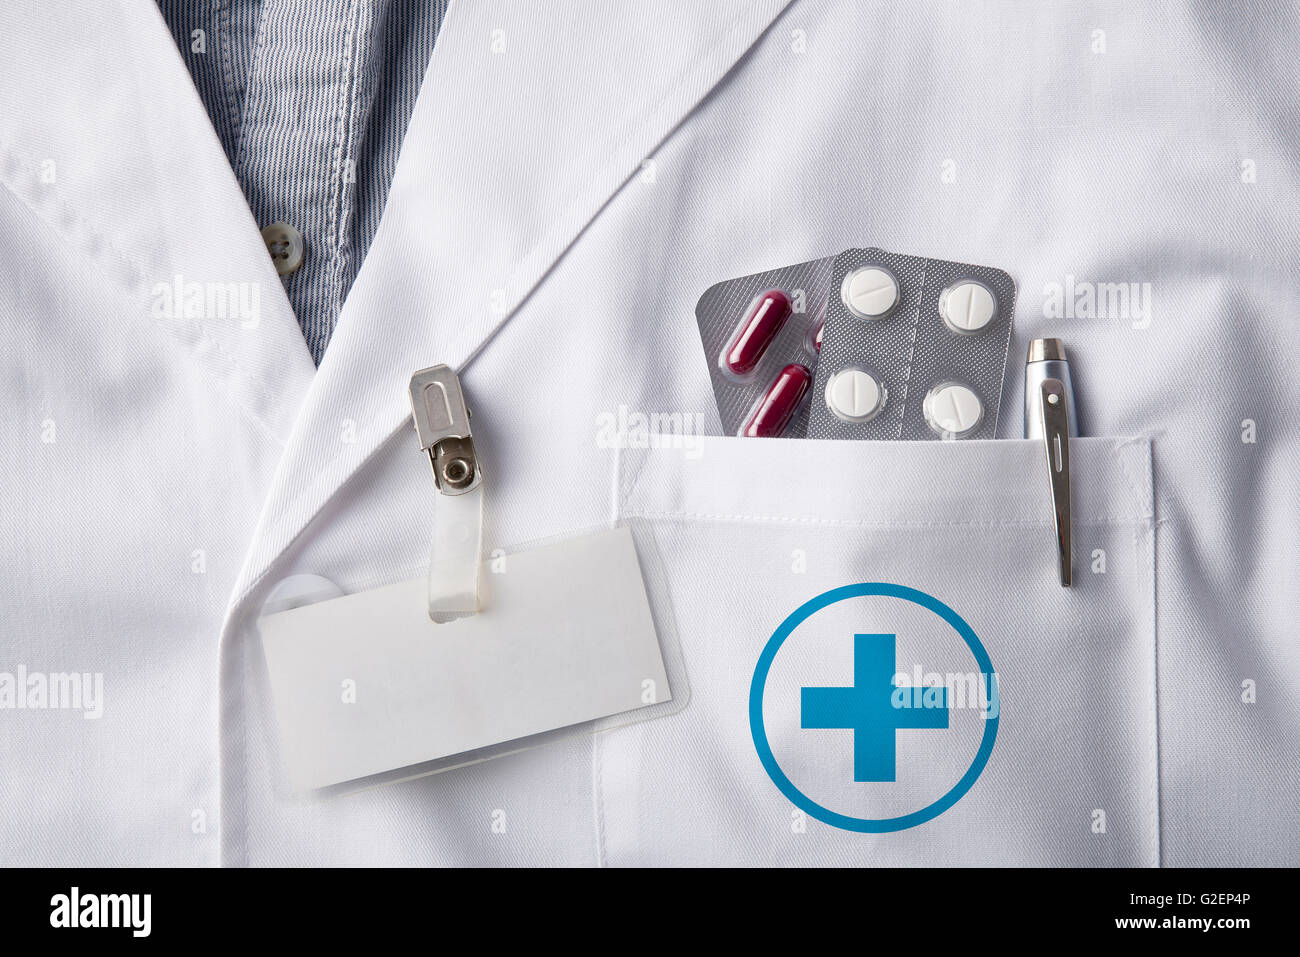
<point x="1046" y="360"/>
<point x="1042" y="350"/>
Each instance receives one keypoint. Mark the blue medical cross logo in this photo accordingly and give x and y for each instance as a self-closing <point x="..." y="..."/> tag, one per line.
<point x="867" y="709"/>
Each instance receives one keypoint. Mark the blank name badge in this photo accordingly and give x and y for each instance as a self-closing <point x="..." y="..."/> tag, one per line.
<point x="366" y="683"/>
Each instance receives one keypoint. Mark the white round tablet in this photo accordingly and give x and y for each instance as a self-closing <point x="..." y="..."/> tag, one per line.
<point x="952" y="409"/>
<point x="854" y="395"/>
<point x="869" y="292"/>
<point x="967" y="306"/>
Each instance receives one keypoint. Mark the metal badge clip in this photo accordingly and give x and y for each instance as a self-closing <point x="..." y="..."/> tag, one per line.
<point x="442" y="425"/>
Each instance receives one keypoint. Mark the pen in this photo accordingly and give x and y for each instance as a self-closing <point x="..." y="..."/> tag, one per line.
<point x="1050" y="414"/>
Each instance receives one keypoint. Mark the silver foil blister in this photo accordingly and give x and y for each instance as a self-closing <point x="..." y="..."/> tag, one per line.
<point x="912" y="351"/>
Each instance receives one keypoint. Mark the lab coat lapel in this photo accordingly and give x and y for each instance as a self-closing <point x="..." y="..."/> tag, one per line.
<point x="528" y="121"/>
<point x="153" y="206"/>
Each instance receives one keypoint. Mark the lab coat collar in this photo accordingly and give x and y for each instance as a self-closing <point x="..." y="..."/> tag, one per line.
<point x="527" y="122"/>
<point x="107" y="144"/>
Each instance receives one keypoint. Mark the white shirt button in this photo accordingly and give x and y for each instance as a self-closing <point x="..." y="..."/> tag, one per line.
<point x="285" y="245"/>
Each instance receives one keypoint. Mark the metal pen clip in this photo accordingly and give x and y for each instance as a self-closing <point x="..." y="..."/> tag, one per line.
<point x="1050" y="414"/>
<point x="1054" y="406"/>
<point x="442" y="425"/>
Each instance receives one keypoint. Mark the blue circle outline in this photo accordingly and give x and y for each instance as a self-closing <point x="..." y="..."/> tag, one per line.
<point x="864" y="825"/>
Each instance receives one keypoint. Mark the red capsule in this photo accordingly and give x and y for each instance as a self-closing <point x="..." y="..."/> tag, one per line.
<point x="817" y="338"/>
<point x="767" y="314"/>
<point x="778" y="404"/>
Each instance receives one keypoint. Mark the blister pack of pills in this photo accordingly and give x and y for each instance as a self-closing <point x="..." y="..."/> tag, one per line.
<point x="761" y="335"/>
<point x="912" y="349"/>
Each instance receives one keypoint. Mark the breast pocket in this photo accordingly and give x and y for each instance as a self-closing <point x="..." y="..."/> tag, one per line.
<point x="883" y="665"/>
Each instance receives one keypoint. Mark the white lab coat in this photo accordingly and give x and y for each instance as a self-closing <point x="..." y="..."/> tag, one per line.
<point x="570" y="183"/>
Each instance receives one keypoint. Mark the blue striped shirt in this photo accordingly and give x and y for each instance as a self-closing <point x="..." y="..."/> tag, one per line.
<point x="310" y="100"/>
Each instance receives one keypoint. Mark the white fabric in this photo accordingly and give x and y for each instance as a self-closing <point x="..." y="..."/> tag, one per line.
<point x="568" y="186"/>
<point x="1075" y="668"/>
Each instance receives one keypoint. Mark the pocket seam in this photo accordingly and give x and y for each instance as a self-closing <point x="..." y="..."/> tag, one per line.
<point x="627" y="474"/>
<point x="1135" y="491"/>
<point x="1137" y="521"/>
<point x="1144" y="493"/>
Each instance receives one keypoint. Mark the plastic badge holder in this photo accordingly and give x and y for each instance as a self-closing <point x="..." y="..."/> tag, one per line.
<point x="425" y="689"/>
<point x="913" y="349"/>
<point x="477" y="659"/>
<point x="761" y="335"/>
